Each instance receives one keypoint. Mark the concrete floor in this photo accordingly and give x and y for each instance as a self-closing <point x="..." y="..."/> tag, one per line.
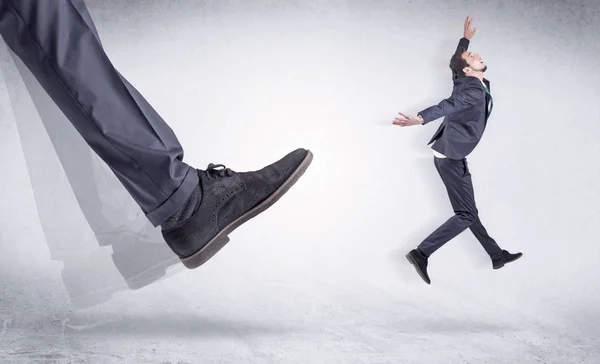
<point x="265" y="316"/>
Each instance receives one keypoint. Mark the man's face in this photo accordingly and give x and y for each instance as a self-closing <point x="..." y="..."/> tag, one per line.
<point x="475" y="61"/>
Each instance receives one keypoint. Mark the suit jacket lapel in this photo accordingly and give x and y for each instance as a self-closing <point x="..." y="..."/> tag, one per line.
<point x="487" y="84"/>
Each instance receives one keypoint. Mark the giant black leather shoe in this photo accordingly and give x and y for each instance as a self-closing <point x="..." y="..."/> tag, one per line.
<point x="229" y="199"/>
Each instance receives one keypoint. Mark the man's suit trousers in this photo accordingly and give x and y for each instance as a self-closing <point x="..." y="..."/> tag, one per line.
<point x="58" y="43"/>
<point x="457" y="178"/>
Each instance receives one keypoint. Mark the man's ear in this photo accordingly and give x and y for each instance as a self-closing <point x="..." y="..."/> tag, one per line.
<point x="467" y="70"/>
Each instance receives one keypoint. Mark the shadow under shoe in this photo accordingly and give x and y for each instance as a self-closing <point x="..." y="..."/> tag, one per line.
<point x="229" y="199"/>
<point x="419" y="261"/>
<point x="505" y="258"/>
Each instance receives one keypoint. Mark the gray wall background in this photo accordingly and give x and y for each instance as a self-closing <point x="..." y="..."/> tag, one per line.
<point x="244" y="82"/>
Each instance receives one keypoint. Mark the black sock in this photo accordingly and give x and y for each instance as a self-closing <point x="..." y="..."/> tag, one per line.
<point x="185" y="212"/>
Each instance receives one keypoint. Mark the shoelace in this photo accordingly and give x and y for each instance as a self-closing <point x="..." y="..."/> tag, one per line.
<point x="213" y="171"/>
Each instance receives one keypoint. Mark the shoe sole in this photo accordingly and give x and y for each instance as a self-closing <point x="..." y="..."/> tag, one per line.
<point x="510" y="261"/>
<point x="416" y="265"/>
<point x="221" y="239"/>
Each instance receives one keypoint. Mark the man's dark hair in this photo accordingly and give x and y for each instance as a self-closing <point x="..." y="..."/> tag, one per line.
<point x="458" y="63"/>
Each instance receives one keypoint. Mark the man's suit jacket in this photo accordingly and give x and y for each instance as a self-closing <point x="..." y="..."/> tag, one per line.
<point x="465" y="115"/>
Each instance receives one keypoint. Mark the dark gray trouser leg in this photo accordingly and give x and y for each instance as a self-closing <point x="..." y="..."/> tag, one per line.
<point x="488" y="243"/>
<point x="57" y="45"/>
<point x="457" y="179"/>
<point x="107" y="206"/>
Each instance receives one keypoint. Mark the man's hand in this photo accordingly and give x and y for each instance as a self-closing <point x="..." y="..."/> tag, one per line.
<point x="469" y="33"/>
<point x="408" y="120"/>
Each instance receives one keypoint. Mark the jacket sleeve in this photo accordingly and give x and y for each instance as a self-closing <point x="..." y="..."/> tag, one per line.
<point x="462" y="43"/>
<point x="464" y="98"/>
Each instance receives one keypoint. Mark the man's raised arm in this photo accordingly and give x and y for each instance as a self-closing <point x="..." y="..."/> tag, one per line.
<point x="464" y="42"/>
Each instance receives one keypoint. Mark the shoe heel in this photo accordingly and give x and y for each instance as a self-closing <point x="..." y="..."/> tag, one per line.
<point x="208" y="251"/>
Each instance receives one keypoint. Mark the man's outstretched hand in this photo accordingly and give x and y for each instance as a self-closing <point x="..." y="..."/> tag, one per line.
<point x="407" y="120"/>
<point x="469" y="32"/>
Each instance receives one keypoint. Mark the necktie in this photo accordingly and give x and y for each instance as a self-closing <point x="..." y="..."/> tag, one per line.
<point x="487" y="91"/>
